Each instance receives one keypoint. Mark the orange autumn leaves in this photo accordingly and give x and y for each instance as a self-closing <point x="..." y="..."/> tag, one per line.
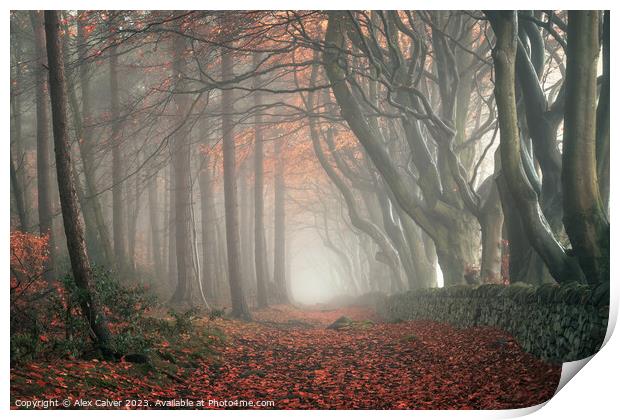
<point x="29" y="253"/>
<point x="287" y="355"/>
<point x="292" y="358"/>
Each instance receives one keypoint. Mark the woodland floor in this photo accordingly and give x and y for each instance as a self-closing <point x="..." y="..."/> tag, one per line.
<point x="288" y="356"/>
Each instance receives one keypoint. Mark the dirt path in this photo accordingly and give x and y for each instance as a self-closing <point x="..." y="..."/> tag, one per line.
<point x="288" y="357"/>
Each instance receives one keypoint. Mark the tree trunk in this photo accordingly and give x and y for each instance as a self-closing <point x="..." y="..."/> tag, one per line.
<point x="602" y="121"/>
<point x="539" y="234"/>
<point x="540" y="123"/>
<point x="172" y="248"/>
<point x="208" y="222"/>
<point x="525" y="265"/>
<point x="118" y="212"/>
<point x="491" y="222"/>
<point x="426" y="272"/>
<point x="246" y="230"/>
<point x="584" y="217"/>
<point x="154" y="221"/>
<point x="132" y="225"/>
<point x="78" y="255"/>
<point x="181" y="166"/>
<point x="222" y="284"/>
<point x="455" y="256"/>
<point x="260" y="244"/>
<point x="397" y="237"/>
<point x="44" y="186"/>
<point x="90" y="232"/>
<point x="239" y="305"/>
<point x="279" y="233"/>
<point x="345" y="268"/>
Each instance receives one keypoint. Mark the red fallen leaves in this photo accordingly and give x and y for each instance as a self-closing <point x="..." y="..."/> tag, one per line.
<point x="288" y="356"/>
<point x="283" y="314"/>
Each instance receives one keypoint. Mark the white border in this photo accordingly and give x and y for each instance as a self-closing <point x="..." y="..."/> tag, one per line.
<point x="593" y="394"/>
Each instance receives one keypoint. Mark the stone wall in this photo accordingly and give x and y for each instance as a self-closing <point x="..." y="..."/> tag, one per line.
<point x="555" y="323"/>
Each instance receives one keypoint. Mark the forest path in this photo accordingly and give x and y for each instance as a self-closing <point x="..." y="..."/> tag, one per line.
<point x="288" y="357"/>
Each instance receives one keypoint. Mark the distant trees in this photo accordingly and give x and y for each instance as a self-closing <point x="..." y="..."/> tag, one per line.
<point x="17" y="184"/>
<point x="439" y="200"/>
<point x="97" y="233"/>
<point x="373" y="132"/>
<point x="387" y="251"/>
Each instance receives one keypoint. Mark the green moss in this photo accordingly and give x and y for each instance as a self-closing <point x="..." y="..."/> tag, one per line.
<point x="556" y="323"/>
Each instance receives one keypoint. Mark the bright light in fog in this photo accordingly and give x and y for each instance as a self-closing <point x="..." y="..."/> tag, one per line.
<point x="312" y="285"/>
<point x="439" y="276"/>
<point x="311" y="281"/>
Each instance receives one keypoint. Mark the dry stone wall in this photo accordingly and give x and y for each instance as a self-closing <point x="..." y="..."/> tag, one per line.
<point x="555" y="323"/>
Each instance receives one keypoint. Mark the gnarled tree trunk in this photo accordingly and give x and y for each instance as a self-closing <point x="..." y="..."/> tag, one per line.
<point x="561" y="266"/>
<point x="584" y="216"/>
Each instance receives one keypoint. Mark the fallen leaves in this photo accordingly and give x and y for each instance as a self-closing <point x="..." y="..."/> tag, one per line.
<point x="289" y="356"/>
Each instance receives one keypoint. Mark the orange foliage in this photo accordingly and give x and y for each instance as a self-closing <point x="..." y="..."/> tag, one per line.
<point x="28" y="256"/>
<point x="288" y="356"/>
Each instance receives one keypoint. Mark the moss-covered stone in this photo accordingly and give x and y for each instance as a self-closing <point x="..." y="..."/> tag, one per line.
<point x="555" y="323"/>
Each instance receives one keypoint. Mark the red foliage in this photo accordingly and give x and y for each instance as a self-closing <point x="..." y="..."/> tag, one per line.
<point x="29" y="254"/>
<point x="288" y="356"/>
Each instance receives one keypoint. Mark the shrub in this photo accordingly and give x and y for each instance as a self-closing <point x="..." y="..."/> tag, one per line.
<point x="46" y="319"/>
<point x="47" y="322"/>
<point x="124" y="306"/>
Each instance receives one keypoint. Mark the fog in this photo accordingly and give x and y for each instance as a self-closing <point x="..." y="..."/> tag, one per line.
<point x="222" y="169"/>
